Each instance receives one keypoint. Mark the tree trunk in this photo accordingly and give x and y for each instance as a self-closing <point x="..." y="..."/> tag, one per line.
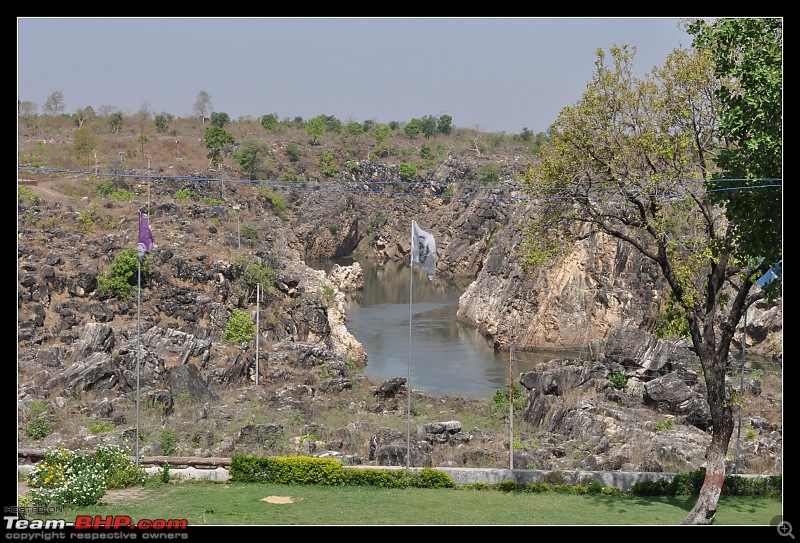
<point x="705" y="509"/>
<point x="719" y="403"/>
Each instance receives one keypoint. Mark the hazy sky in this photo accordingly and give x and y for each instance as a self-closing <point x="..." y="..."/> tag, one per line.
<point x="493" y="74"/>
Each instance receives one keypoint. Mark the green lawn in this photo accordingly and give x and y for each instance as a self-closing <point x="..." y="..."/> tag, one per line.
<point x="217" y="503"/>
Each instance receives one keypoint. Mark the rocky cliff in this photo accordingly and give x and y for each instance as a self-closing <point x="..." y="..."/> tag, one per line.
<point x="80" y="348"/>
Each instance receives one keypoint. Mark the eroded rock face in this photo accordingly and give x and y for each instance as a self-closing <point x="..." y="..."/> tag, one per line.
<point x="74" y="339"/>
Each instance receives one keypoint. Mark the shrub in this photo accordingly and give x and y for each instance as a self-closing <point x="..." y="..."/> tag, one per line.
<point x="38" y="428"/>
<point x="432" y="478"/>
<point x="169" y="443"/>
<point x="240" y="327"/>
<point x="100" y="427"/>
<point x="65" y="478"/>
<point x="116" y="467"/>
<point x="122" y="277"/>
<point x="620" y="380"/>
<point x="407" y="171"/>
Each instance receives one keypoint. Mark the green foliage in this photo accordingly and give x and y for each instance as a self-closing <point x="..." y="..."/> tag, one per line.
<point x="117" y="468"/>
<point x="672" y="322"/>
<point x="299" y="470"/>
<point x="327" y="165"/>
<point x="748" y="61"/>
<point x="490" y="173"/>
<point x="100" y="427"/>
<point x="506" y="486"/>
<point x="379" y="478"/>
<point x="620" y="380"/>
<point x="75" y="478"/>
<point x="270" y="122"/>
<point x="110" y="191"/>
<point x="122" y="280"/>
<point x="169" y="443"/>
<point x="327" y="471"/>
<point x="275" y="200"/>
<point x="85" y="141"/>
<point x="26" y="195"/>
<point x="86" y="220"/>
<point x="413" y="128"/>
<point x="249" y="232"/>
<point x="253" y="156"/>
<point x="209" y="201"/>
<point x="161" y="122"/>
<point x="408" y="171"/>
<point x="292" y="151"/>
<point x="252" y="271"/>
<point x="66" y="478"/>
<point x="185" y="194"/>
<point x="163" y="474"/>
<point x="240" y="327"/>
<point x="38" y="428"/>
<point x="502" y="399"/>
<point x="431" y="478"/>
<point x="663" y="426"/>
<point x="38" y="407"/>
<point x="314" y="128"/>
<point x="217" y="139"/>
<point x="220" y="119"/>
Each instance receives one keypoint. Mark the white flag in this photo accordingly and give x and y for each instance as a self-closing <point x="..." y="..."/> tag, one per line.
<point x="423" y="249"/>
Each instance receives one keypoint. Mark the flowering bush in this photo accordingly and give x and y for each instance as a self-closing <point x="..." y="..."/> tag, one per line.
<point x="70" y="478"/>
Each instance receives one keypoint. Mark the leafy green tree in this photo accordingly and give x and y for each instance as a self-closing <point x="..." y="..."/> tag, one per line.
<point x="202" y="106"/>
<point x="354" y="129"/>
<point x="428" y="126"/>
<point x="381" y="134"/>
<point x="270" y="121"/>
<point x="85" y="141"/>
<point x="413" y="128"/>
<point x="82" y="115"/>
<point x="444" y="124"/>
<point x="115" y="122"/>
<point x="216" y="140"/>
<point x="314" y="128"/>
<point x="220" y="119"/>
<point x="625" y="161"/>
<point x="161" y="122"/>
<point x="331" y="123"/>
<point x="252" y="156"/>
<point x="748" y="57"/>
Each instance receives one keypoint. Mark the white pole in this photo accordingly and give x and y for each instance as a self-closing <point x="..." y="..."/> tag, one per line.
<point x="408" y="377"/>
<point x="258" y="307"/>
<point x="511" y="408"/>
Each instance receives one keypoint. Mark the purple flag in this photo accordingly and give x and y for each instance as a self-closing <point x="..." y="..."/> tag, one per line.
<point x="145" y="246"/>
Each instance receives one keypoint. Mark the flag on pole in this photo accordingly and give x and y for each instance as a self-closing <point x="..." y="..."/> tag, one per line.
<point x="423" y="249"/>
<point x="145" y="246"/>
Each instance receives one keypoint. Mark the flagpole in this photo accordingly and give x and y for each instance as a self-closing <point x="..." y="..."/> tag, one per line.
<point x="408" y="377"/>
<point x="138" y="341"/>
<point x="258" y="309"/>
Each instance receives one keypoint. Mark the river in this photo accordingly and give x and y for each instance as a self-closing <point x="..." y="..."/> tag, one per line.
<point x="438" y="354"/>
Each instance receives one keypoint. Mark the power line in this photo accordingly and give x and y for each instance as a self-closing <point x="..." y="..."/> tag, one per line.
<point x="599" y="191"/>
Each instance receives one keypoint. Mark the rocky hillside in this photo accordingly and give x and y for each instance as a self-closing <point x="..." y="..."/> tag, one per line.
<point x="637" y="405"/>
